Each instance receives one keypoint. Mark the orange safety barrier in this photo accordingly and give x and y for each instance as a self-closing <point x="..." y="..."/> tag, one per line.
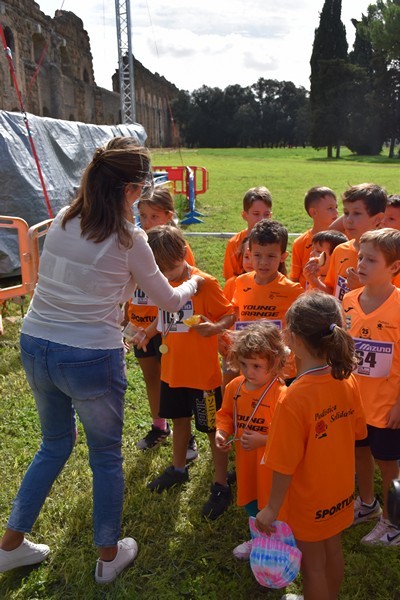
<point x="28" y="242"/>
<point x="180" y="178"/>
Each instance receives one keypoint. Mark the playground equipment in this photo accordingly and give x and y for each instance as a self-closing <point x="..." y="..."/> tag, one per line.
<point x="188" y="181"/>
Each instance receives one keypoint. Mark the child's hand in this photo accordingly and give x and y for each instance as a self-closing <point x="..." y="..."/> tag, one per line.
<point x="250" y="440"/>
<point x="264" y="520"/>
<point x="205" y="328"/>
<point x="311" y="270"/>
<point x="221" y="439"/>
<point x="353" y="280"/>
<point x="140" y="339"/>
<point x="393" y="419"/>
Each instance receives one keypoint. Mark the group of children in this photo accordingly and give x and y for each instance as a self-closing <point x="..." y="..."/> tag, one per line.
<point x="311" y="369"/>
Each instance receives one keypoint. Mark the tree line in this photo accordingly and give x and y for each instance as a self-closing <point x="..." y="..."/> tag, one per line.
<point x="354" y="97"/>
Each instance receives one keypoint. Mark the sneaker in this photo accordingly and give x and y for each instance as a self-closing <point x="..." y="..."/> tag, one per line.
<point x="192" y="452"/>
<point x="168" y="479"/>
<point x="366" y="512"/>
<point x="384" y="533"/>
<point x="292" y="597"/>
<point x="218" y="502"/>
<point x="243" y="551"/>
<point x="107" y="571"/>
<point x="153" y="438"/>
<point x="27" y="553"/>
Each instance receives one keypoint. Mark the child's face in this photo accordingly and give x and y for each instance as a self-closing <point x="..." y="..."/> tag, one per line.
<point x="317" y="249"/>
<point x="255" y="370"/>
<point x="391" y="217"/>
<point x="372" y="268"/>
<point x="266" y="260"/>
<point x="357" y="221"/>
<point x="257" y="211"/>
<point x="176" y="272"/>
<point x="325" y="211"/>
<point x="152" y="217"/>
<point x="246" y="261"/>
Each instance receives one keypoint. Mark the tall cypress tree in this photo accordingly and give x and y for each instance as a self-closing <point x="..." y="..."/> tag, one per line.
<point x="331" y="77"/>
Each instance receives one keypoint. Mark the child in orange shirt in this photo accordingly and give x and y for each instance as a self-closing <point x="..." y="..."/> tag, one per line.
<point x="141" y="312"/>
<point x="246" y="413"/>
<point x="190" y="369"/>
<point x="266" y="293"/>
<point x="391" y="218"/>
<point x="363" y="207"/>
<point x="373" y="319"/>
<point x="321" y="205"/>
<point x="310" y="447"/>
<point x="257" y="205"/>
<point x="323" y="243"/>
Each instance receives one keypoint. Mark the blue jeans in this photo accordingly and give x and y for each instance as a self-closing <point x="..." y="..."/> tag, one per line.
<point x="92" y="382"/>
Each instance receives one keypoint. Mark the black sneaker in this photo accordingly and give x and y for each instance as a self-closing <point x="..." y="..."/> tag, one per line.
<point x="218" y="502"/>
<point x="168" y="479"/>
<point x="153" y="438"/>
<point x="192" y="452"/>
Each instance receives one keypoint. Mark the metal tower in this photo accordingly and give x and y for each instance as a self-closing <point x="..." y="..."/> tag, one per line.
<point x="125" y="61"/>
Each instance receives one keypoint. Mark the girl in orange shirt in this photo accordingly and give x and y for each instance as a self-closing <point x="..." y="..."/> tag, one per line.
<point x="246" y="412"/>
<point x="310" y="447"/>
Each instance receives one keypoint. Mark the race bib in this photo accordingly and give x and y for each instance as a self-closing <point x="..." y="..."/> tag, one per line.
<point x="341" y="288"/>
<point x="239" y="325"/>
<point x="374" y="359"/>
<point x="139" y="298"/>
<point x="171" y="322"/>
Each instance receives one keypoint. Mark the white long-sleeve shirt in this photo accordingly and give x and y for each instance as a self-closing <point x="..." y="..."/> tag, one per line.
<point x="82" y="284"/>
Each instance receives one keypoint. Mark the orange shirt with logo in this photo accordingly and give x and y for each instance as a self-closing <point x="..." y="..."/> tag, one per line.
<point x="343" y="256"/>
<point x="253" y="478"/>
<point x="312" y="439"/>
<point x="301" y="250"/>
<point x="233" y="256"/>
<point x="141" y="310"/>
<point x="377" y="340"/>
<point x="192" y="360"/>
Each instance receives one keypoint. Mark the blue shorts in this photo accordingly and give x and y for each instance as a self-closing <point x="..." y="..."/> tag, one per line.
<point x="183" y="402"/>
<point x="384" y="443"/>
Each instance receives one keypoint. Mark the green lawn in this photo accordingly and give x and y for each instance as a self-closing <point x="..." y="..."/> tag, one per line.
<point x="180" y="555"/>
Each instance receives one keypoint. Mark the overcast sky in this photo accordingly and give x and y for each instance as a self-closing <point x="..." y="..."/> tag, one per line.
<point x="211" y="42"/>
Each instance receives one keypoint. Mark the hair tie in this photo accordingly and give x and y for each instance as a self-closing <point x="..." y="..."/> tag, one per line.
<point x="332" y="327"/>
<point x="98" y="155"/>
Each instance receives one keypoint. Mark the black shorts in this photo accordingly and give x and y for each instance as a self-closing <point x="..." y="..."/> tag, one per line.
<point x="384" y="443"/>
<point x="152" y="348"/>
<point x="182" y="402"/>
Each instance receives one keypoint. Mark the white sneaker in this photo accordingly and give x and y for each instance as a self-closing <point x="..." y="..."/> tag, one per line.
<point x="107" y="571"/>
<point x="384" y="533"/>
<point x="366" y="512"/>
<point x="27" y="553"/>
<point x="243" y="551"/>
<point x="292" y="597"/>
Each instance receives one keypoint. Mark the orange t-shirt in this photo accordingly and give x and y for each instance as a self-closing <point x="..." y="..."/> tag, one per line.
<point x="253" y="478"/>
<point x="301" y="250"/>
<point x="377" y="339"/>
<point x="141" y="309"/>
<point x="343" y="256"/>
<point x="192" y="360"/>
<point x="271" y="301"/>
<point x="312" y="439"/>
<point x="229" y="288"/>
<point x="232" y="260"/>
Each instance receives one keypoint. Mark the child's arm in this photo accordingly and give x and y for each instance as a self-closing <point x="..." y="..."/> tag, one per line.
<point x="266" y="516"/>
<point x="311" y="273"/>
<point x="250" y="440"/>
<point x="207" y="328"/>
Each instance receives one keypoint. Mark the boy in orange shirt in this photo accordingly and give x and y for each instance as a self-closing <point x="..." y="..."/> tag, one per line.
<point x="392" y="219"/>
<point x="190" y="369"/>
<point x="373" y="319"/>
<point x="257" y="205"/>
<point x="323" y="243"/>
<point x="363" y="208"/>
<point x="321" y="205"/>
<point x="310" y="447"/>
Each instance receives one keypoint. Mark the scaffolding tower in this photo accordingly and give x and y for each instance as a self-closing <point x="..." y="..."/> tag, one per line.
<point x="125" y="61"/>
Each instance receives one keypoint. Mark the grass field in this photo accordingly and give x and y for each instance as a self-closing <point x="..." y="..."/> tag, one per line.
<point x="180" y="555"/>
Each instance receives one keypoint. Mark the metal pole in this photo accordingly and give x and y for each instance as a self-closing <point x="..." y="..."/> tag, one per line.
<point x="125" y="61"/>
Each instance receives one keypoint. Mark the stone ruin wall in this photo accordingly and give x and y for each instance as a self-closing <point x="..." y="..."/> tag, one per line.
<point x="65" y="87"/>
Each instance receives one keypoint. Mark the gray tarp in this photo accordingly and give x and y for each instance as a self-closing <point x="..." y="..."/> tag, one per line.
<point x="64" y="149"/>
